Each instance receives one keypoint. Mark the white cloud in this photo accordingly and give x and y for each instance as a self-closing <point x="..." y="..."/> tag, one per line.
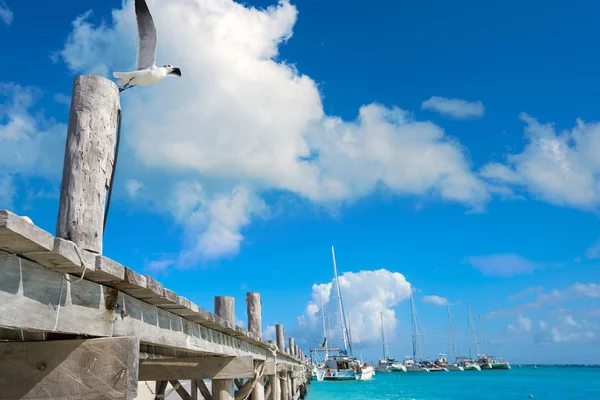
<point x="269" y="333"/>
<point x="240" y="120"/>
<point x="591" y="290"/>
<point x="366" y="295"/>
<point x="523" y="324"/>
<point x="133" y="186"/>
<point x="593" y="252"/>
<point x="32" y="146"/>
<point x="456" y="108"/>
<point x="561" y="168"/>
<point x="503" y="265"/>
<point x="437" y="300"/>
<point x="568" y="320"/>
<point x="7" y="191"/>
<point x="6" y="15"/>
<point x="62" y="99"/>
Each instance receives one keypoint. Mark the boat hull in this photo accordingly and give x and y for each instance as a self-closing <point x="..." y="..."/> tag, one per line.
<point x="416" y="369"/>
<point x="500" y="366"/>
<point x="473" y="367"/>
<point x="454" y="368"/>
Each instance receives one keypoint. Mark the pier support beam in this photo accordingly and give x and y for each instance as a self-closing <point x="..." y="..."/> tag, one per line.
<point x="254" y="310"/>
<point x="224" y="389"/>
<point x="83" y="369"/>
<point x="282" y="378"/>
<point x="88" y="162"/>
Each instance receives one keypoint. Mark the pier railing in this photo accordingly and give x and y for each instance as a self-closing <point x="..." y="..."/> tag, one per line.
<point x="76" y="324"/>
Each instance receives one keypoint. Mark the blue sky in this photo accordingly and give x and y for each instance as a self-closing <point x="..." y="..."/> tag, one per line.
<point x="453" y="146"/>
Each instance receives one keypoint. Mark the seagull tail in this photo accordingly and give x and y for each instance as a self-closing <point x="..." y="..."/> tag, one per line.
<point x="123" y="77"/>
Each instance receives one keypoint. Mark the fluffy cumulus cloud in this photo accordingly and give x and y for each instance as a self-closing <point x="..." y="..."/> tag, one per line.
<point x="366" y="295"/>
<point x="6" y="15"/>
<point x="32" y="145"/>
<point x="562" y="168"/>
<point x="241" y="121"/>
<point x="503" y="265"/>
<point x="456" y="108"/>
<point x="523" y="324"/>
<point x="591" y="290"/>
<point x="437" y="300"/>
<point x="566" y="330"/>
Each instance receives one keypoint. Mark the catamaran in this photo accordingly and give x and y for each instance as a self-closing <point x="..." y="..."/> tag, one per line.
<point x="343" y="366"/>
<point x="410" y="363"/>
<point x="495" y="364"/>
<point x="483" y="360"/>
<point x="387" y="364"/>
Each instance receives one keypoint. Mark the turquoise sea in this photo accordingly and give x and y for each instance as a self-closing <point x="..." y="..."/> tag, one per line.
<point x="545" y="382"/>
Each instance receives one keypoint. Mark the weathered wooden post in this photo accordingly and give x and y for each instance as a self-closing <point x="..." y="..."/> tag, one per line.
<point x="281" y="345"/>
<point x="224" y="389"/>
<point x="254" y="310"/>
<point x="88" y="162"/>
<point x="292" y="346"/>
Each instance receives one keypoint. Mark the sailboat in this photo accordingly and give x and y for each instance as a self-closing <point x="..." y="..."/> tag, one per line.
<point x="410" y="363"/>
<point x="387" y="364"/>
<point x="441" y="359"/>
<point x="468" y="363"/>
<point x="502" y="364"/>
<point x="483" y="360"/>
<point x="343" y="366"/>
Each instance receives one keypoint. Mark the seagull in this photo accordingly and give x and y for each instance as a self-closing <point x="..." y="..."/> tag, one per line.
<point x="146" y="72"/>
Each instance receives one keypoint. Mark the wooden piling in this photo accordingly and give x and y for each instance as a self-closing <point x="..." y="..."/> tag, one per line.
<point x="224" y="389"/>
<point x="292" y="347"/>
<point x="88" y="162"/>
<point x="254" y="310"/>
<point x="279" y="337"/>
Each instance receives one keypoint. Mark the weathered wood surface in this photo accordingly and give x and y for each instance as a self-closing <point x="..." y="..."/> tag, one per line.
<point x="254" y="312"/>
<point x="17" y="235"/>
<point x="105" y="368"/>
<point x="180" y="390"/>
<point x="279" y="337"/>
<point x="37" y="299"/>
<point x="204" y="390"/>
<point x="161" y="388"/>
<point x="197" y="368"/>
<point x="292" y="347"/>
<point x="223" y="389"/>
<point x="88" y="162"/>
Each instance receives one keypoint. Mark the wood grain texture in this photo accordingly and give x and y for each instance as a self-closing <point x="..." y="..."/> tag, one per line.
<point x="103" y="368"/>
<point x="279" y="337"/>
<point x="204" y="390"/>
<point x="88" y="162"/>
<point x="180" y="390"/>
<point x="224" y="308"/>
<point x="197" y="368"/>
<point x="18" y="236"/>
<point x="38" y="299"/>
<point x="223" y="389"/>
<point x="254" y="311"/>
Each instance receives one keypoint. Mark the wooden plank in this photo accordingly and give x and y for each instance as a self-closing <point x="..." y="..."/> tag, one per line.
<point x="64" y="258"/>
<point x="37" y="299"/>
<point x="88" y="162"/>
<point x="103" y="368"/>
<point x="180" y="390"/>
<point x="19" y="236"/>
<point x="160" y="327"/>
<point x="107" y="271"/>
<point x="196" y="368"/>
<point x="204" y="390"/>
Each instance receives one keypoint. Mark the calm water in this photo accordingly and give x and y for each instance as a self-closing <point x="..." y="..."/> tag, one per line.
<point x="548" y="383"/>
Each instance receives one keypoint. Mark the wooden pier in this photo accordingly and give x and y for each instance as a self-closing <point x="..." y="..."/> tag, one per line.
<point x="77" y="325"/>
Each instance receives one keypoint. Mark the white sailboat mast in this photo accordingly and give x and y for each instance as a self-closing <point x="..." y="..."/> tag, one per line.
<point x="324" y="329"/>
<point x="341" y="308"/>
<point x="452" y="341"/>
<point x="473" y="331"/>
<point x="385" y="352"/>
<point x="487" y="351"/>
<point x="416" y="341"/>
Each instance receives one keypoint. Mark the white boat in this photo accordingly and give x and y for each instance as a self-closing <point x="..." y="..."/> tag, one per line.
<point x="442" y="362"/>
<point x="488" y="360"/>
<point x="412" y="366"/>
<point x="387" y="364"/>
<point x="441" y="357"/>
<point x="343" y="366"/>
<point x="410" y="363"/>
<point x="468" y="364"/>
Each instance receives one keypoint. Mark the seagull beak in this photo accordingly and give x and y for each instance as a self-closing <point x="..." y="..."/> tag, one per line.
<point x="175" y="72"/>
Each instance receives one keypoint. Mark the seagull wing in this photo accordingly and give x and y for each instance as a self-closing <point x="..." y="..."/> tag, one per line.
<point x="146" y="56"/>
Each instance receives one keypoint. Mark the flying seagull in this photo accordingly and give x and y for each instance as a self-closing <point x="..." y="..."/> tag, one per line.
<point x="146" y="72"/>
